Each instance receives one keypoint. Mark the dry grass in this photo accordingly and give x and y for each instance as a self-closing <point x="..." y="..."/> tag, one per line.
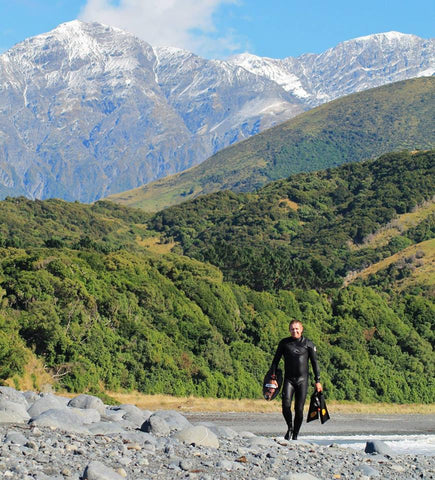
<point x="398" y="226"/>
<point x="289" y="203"/>
<point x="423" y="273"/>
<point x="195" y="404"/>
<point x="35" y="377"/>
<point x="153" y="244"/>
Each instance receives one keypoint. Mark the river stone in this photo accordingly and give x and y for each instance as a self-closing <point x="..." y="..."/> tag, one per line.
<point x="174" y="419"/>
<point x="368" y="471"/>
<point x="12" y="412"/>
<point x="156" y="425"/>
<point x="16" y="438"/>
<point x="62" y="419"/>
<point x="105" y="428"/>
<point x="30" y="396"/>
<point x="44" y="403"/>
<point x="135" y="420"/>
<point x="377" y="446"/>
<point x="98" y="471"/>
<point x="88" y="415"/>
<point x="112" y="415"/>
<point x="130" y="408"/>
<point x="198" y="435"/>
<point x="261" y="442"/>
<point x="298" y="476"/>
<point x="88" y="401"/>
<point x="221" y="432"/>
<point x="138" y="437"/>
<point x="9" y="393"/>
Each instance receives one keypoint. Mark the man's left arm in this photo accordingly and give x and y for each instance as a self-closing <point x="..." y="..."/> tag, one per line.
<point x="312" y="352"/>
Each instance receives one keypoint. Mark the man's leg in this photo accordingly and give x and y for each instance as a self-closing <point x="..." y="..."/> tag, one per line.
<point x="300" y="396"/>
<point x="287" y="395"/>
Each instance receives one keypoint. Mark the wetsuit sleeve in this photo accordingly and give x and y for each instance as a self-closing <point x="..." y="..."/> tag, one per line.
<point x="313" y="358"/>
<point x="276" y="358"/>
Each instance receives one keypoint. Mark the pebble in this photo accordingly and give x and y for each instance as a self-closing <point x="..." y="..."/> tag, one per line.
<point x="65" y="448"/>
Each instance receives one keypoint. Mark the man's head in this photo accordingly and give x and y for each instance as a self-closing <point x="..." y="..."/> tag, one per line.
<point x="296" y="328"/>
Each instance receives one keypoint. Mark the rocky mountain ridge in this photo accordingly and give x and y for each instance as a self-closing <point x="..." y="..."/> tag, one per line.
<point x="87" y="110"/>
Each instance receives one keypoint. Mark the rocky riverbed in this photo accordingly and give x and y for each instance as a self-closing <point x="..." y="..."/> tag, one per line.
<point x="48" y="437"/>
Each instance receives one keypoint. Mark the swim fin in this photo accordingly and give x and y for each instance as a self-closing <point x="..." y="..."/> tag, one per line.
<point x="324" y="415"/>
<point x="317" y="408"/>
<point x="313" y="410"/>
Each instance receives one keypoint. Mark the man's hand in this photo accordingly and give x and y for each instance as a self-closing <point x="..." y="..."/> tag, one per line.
<point x="319" y="387"/>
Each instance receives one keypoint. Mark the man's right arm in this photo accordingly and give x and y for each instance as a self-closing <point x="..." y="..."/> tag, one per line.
<point x="276" y="359"/>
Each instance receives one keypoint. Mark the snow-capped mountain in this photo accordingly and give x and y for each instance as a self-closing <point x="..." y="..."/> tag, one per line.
<point x="87" y="110"/>
<point x="351" y="66"/>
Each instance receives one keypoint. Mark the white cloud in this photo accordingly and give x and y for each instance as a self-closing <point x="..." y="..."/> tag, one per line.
<point x="187" y="24"/>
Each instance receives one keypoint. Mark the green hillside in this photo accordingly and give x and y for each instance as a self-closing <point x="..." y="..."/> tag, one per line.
<point x="357" y="127"/>
<point x="83" y="289"/>
<point x="303" y="232"/>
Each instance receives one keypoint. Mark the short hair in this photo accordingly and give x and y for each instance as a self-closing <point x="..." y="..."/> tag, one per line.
<point x="294" y="321"/>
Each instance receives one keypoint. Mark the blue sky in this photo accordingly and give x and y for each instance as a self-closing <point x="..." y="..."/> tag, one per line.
<point x="219" y="28"/>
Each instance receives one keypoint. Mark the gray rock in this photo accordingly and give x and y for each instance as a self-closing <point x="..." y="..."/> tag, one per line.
<point x="174" y="419"/>
<point x="30" y="396"/>
<point x="129" y="408"/>
<point x="134" y="419"/>
<point x="98" y="471"/>
<point x="9" y="393"/>
<point x="368" y="471"/>
<point x="62" y="419"/>
<point x="377" y="446"/>
<point x="13" y="412"/>
<point x="298" y="476"/>
<point x="44" y="403"/>
<point x="156" y="425"/>
<point x="198" y="435"/>
<point x="112" y="415"/>
<point x="88" y="401"/>
<point x="223" y="432"/>
<point x="105" y="428"/>
<point x="261" y="442"/>
<point x="16" y="438"/>
<point x="88" y="415"/>
<point x="138" y="437"/>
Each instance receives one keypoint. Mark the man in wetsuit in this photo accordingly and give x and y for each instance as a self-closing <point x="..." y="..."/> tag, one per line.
<point x="296" y="351"/>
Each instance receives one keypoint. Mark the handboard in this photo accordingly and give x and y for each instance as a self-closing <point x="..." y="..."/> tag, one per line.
<point x="271" y="387"/>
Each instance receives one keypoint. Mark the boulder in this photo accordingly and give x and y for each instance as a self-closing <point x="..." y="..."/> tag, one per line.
<point x="377" y="446"/>
<point x="9" y="393"/>
<point x="88" y="401"/>
<point x="12" y="412"/>
<point x="156" y="425"/>
<point x="368" y="471"/>
<point x="88" y="415"/>
<point x="43" y="403"/>
<point x="105" y="428"/>
<point x="174" y="419"/>
<point x="98" y="471"/>
<point x="16" y="438"/>
<point x="198" y="435"/>
<point x="62" y="419"/>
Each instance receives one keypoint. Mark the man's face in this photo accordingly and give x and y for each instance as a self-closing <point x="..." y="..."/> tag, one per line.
<point x="296" y="330"/>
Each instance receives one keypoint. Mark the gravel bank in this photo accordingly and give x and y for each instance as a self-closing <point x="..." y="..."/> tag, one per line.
<point x="44" y="437"/>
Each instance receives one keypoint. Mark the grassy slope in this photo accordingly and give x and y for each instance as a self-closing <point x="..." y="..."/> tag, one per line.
<point x="360" y="126"/>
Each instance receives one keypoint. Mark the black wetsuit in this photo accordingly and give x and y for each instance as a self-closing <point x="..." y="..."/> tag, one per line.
<point x="296" y="352"/>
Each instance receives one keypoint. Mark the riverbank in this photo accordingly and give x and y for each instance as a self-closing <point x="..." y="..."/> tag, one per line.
<point x="49" y="437"/>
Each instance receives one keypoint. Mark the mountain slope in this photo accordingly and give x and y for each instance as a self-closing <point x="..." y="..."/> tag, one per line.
<point x="310" y="230"/>
<point x="88" y="110"/>
<point x="360" y="126"/>
<point x="351" y="66"/>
